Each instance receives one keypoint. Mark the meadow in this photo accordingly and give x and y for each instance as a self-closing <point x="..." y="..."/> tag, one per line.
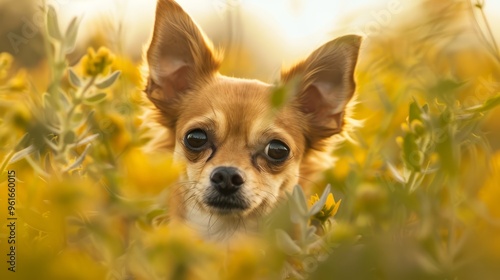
<point x="414" y="193"/>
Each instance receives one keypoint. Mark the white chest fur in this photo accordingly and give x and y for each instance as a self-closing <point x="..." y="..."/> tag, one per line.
<point x="219" y="227"/>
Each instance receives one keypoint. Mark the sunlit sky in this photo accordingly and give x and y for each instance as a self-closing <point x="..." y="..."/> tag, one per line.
<point x="290" y="28"/>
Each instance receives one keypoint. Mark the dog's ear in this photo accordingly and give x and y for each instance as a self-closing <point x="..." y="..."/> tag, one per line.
<point x="326" y="84"/>
<point x="179" y="56"/>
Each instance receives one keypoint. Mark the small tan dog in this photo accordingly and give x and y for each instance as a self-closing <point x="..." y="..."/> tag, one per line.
<point x="241" y="154"/>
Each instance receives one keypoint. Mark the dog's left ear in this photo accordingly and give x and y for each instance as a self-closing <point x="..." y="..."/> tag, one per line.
<point x="179" y="57"/>
<point x="326" y="84"/>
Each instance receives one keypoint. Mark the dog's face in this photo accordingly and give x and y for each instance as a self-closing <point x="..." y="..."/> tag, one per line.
<point x="242" y="154"/>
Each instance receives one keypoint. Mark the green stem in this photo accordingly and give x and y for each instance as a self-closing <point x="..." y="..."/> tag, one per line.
<point x="490" y="33"/>
<point x="411" y="181"/>
<point x="492" y="47"/>
<point x="66" y="120"/>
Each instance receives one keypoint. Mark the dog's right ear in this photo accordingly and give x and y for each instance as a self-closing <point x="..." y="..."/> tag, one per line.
<point x="326" y="84"/>
<point x="179" y="57"/>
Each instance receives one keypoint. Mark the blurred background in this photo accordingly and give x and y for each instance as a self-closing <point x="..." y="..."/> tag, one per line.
<point x="262" y="34"/>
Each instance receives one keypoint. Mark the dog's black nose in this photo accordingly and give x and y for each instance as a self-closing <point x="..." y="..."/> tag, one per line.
<point x="226" y="180"/>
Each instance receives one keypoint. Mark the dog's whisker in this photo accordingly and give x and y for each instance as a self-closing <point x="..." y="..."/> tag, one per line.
<point x="210" y="225"/>
<point x="309" y="181"/>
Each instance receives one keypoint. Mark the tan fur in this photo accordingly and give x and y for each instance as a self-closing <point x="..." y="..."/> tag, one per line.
<point x="189" y="94"/>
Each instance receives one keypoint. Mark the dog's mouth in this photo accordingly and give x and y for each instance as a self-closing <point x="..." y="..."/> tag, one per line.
<point x="224" y="205"/>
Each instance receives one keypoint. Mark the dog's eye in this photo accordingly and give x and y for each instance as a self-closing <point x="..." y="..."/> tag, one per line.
<point x="277" y="150"/>
<point x="196" y="139"/>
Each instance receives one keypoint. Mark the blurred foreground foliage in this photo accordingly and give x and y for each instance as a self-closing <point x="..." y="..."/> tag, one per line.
<point x="419" y="184"/>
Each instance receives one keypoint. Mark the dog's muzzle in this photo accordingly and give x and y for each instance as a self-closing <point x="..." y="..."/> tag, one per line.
<point x="225" y="189"/>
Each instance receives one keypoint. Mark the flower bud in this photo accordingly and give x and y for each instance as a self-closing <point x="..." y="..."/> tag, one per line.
<point x="417" y="127"/>
<point x="94" y="63"/>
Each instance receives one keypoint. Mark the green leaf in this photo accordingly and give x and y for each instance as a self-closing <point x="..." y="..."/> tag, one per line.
<point x="36" y="166"/>
<point x="108" y="81"/>
<point x="489" y="104"/>
<point x="281" y="94"/>
<point x="445" y="86"/>
<point x="79" y="122"/>
<point x="286" y="243"/>
<point x="71" y="35"/>
<point x="311" y="233"/>
<point x="412" y="155"/>
<point x="53" y="24"/>
<point x="22" y="153"/>
<point x="298" y="205"/>
<point x="85" y="140"/>
<point x="278" y="97"/>
<point x="50" y="144"/>
<point x="78" y="161"/>
<point x="47" y="163"/>
<point x="63" y="99"/>
<point x="50" y="102"/>
<point x="395" y="173"/>
<point x="95" y="99"/>
<point x="425" y="108"/>
<point x="447" y="149"/>
<point x="446" y="116"/>
<point x="152" y="215"/>
<point x="415" y="112"/>
<point x="23" y="141"/>
<point x="74" y="79"/>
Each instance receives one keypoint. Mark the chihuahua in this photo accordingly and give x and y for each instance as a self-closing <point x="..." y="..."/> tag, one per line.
<point x="241" y="154"/>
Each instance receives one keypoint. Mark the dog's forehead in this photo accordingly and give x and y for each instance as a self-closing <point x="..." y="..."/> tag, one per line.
<point x="236" y="103"/>
<point x="231" y="94"/>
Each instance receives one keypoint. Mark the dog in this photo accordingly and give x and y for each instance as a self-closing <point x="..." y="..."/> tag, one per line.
<point x="241" y="154"/>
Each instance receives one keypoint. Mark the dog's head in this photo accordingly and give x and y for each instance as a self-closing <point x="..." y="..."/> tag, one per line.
<point x="242" y="154"/>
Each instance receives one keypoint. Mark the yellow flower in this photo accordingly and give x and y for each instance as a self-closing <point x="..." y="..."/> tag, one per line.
<point x="130" y="71"/>
<point x="19" y="82"/>
<point x="175" y="251"/>
<point x="313" y="199"/>
<point x="399" y="141"/>
<point x="5" y="63"/>
<point x="94" y="63"/>
<point x="329" y="209"/>
<point x="245" y="261"/>
<point x="147" y="174"/>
